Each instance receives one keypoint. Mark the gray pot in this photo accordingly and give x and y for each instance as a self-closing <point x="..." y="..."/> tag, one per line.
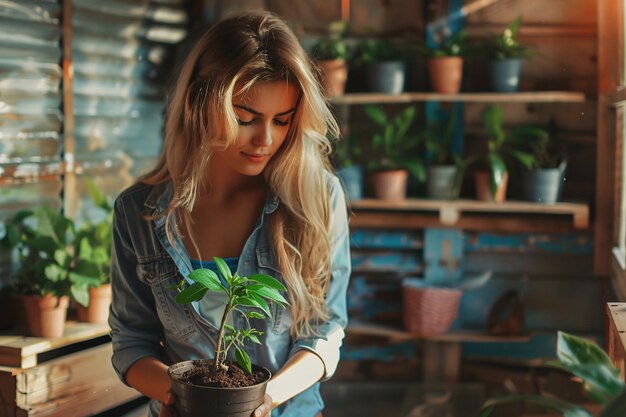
<point x="544" y="185"/>
<point x="505" y="75"/>
<point x="440" y="183"/>
<point x="386" y="77"/>
<point x="352" y="180"/>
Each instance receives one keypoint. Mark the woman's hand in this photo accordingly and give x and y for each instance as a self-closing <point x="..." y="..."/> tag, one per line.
<point x="265" y="409"/>
<point x="167" y="405"/>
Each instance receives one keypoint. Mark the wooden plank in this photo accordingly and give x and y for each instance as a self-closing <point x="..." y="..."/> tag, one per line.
<point x="442" y="361"/>
<point x="472" y="206"/>
<point x="22" y="351"/>
<point x="520" y="97"/>
<point x="79" y="384"/>
<point x="512" y="216"/>
<point x="457" y="336"/>
<point x="411" y="221"/>
<point x="617" y="335"/>
<point x="610" y="76"/>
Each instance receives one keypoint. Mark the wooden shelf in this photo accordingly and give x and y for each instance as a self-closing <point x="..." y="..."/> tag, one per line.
<point x="511" y="216"/>
<point x="520" y="97"/>
<point x="455" y="336"/>
<point x="21" y="351"/>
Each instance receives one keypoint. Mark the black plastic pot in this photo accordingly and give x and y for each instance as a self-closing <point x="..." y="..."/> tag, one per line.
<point x="198" y="401"/>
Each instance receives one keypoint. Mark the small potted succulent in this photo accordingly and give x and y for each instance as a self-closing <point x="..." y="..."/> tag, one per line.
<point x="201" y="385"/>
<point x="391" y="154"/>
<point x="506" y="55"/>
<point x="331" y="54"/>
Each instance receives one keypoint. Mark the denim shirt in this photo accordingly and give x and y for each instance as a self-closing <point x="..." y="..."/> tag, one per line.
<point x="146" y="321"/>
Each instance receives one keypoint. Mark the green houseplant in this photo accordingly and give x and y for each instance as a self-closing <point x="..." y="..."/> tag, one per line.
<point x="543" y="182"/>
<point x="48" y="272"/>
<point x="585" y="360"/>
<point x="443" y="173"/>
<point x="502" y="147"/>
<point x="506" y="54"/>
<point x="384" y="65"/>
<point x="445" y="62"/>
<point x="331" y="55"/>
<point x="196" y="383"/>
<point x="93" y="250"/>
<point x="391" y="150"/>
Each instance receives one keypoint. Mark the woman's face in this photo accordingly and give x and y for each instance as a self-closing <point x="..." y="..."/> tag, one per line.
<point x="265" y="112"/>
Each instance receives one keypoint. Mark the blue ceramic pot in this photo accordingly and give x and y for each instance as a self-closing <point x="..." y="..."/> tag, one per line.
<point x="505" y="75"/>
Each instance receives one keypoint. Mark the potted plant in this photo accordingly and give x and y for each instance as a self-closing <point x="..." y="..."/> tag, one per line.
<point x="93" y="253"/>
<point x="391" y="150"/>
<point x="385" y="68"/>
<point x="331" y="55"/>
<point x="42" y="241"/>
<point x="445" y="62"/>
<point x="505" y="58"/>
<point x="199" y="384"/>
<point x="443" y="175"/>
<point x="501" y="147"/>
<point x="543" y="182"/>
<point x="585" y="360"/>
<point x="348" y="154"/>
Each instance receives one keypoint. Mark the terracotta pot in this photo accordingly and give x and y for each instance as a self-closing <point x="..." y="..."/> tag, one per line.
<point x="446" y="74"/>
<point x="196" y="400"/>
<point x="483" y="189"/>
<point x="389" y="185"/>
<point x="334" y="76"/>
<point x="46" y="315"/>
<point x="98" y="309"/>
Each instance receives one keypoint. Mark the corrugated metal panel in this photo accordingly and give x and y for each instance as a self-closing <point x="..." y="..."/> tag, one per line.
<point x="30" y="119"/>
<point x="122" y="54"/>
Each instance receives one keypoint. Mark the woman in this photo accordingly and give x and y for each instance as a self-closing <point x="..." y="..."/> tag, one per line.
<point x="244" y="175"/>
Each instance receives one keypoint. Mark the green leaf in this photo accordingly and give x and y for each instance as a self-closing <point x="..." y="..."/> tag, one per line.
<point x="525" y="158"/>
<point x="223" y="268"/>
<point x="85" y="250"/>
<point x="243" y="359"/>
<point x="588" y="361"/>
<point x="207" y="278"/>
<point x="96" y="195"/>
<point x="255" y="315"/>
<point x="229" y="328"/>
<point x="376" y="114"/>
<point x="550" y="403"/>
<point x="268" y="281"/>
<point x="253" y="301"/>
<point x="61" y="257"/>
<point x="80" y="294"/>
<point x="54" y="273"/>
<point x="85" y="281"/>
<point x="498" y="168"/>
<point x="266" y="292"/>
<point x="254" y="338"/>
<point x="492" y="119"/>
<point x="192" y="293"/>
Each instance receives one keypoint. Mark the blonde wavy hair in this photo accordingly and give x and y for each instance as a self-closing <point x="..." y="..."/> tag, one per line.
<point x="249" y="48"/>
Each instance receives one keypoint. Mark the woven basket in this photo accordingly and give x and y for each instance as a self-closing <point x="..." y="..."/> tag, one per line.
<point x="430" y="311"/>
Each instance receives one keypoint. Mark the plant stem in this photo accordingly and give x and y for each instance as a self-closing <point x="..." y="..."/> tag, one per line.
<point x="218" y="347"/>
